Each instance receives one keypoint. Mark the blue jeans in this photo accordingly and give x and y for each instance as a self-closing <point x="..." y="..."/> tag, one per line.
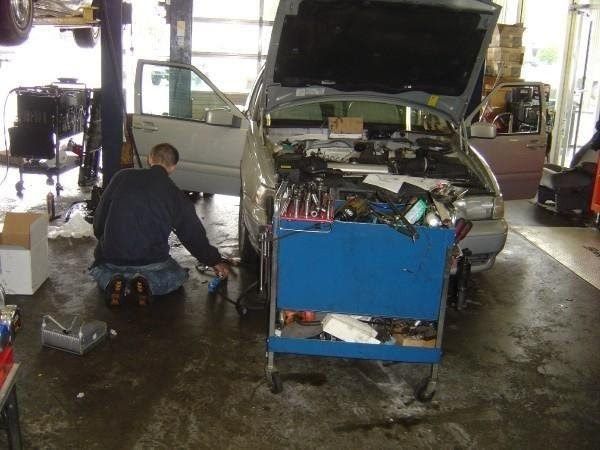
<point x="163" y="277"/>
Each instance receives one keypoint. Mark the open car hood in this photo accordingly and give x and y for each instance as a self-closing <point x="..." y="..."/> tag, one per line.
<point x="425" y="52"/>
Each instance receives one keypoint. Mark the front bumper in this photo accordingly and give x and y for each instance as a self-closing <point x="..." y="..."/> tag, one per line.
<point x="485" y="241"/>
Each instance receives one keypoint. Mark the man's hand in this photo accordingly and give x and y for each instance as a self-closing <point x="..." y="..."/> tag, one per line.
<point x="221" y="269"/>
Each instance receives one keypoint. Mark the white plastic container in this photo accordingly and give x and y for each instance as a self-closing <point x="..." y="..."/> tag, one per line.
<point x="349" y="329"/>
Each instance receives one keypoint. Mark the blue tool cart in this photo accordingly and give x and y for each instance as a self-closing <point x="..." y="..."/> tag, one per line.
<point x="364" y="269"/>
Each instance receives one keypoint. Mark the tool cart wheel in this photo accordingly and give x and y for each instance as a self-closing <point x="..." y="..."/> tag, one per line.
<point x="426" y="390"/>
<point x="19" y="186"/>
<point x="276" y="383"/>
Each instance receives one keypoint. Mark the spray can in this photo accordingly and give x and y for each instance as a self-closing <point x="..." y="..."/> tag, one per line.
<point x="213" y="284"/>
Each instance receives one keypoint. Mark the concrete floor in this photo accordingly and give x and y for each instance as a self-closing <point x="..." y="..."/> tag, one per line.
<point x="521" y="368"/>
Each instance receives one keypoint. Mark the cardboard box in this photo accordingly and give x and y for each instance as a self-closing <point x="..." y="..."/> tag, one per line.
<point x="24" y="252"/>
<point x="504" y="69"/>
<point x="411" y="341"/>
<point x="491" y="81"/>
<point x="345" y="127"/>
<point x="508" y="35"/>
<point x="506" y="54"/>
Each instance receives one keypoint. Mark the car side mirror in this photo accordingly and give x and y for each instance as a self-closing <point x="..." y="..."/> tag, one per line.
<point x="483" y="130"/>
<point x="221" y="117"/>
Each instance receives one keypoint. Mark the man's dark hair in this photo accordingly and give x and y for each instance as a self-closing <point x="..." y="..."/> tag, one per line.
<point x="165" y="154"/>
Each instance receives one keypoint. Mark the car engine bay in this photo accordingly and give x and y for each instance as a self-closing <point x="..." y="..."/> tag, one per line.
<point x="350" y="178"/>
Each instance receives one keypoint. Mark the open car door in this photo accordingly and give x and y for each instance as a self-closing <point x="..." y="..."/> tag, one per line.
<point x="517" y="152"/>
<point x="177" y="104"/>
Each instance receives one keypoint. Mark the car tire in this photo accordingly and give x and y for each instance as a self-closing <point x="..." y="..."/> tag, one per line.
<point x="16" y="19"/>
<point x="86" y="37"/>
<point x="248" y="254"/>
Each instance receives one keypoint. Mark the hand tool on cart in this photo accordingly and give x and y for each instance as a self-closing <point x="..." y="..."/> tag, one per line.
<point x="397" y="221"/>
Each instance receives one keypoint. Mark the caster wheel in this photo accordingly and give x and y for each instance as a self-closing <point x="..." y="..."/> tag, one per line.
<point x="50" y="181"/>
<point x="207" y="195"/>
<point x="276" y="383"/>
<point x="426" y="390"/>
<point x="19" y="186"/>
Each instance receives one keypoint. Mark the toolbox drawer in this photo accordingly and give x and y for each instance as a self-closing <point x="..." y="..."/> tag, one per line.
<point x="361" y="268"/>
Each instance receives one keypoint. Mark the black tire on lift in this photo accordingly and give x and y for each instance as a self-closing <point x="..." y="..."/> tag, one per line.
<point x="86" y="37"/>
<point x="15" y="24"/>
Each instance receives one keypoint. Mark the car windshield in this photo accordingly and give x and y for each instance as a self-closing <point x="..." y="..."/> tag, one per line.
<point x="374" y="114"/>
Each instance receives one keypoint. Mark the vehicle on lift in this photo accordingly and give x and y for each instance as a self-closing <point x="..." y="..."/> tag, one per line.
<point x="17" y="17"/>
<point x="406" y="70"/>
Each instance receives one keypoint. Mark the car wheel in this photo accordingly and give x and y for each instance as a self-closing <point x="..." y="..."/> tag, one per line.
<point x="247" y="252"/>
<point x="86" y="37"/>
<point x="16" y="18"/>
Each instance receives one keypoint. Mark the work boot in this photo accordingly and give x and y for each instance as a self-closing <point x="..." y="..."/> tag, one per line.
<point x="140" y="290"/>
<point x="115" y="291"/>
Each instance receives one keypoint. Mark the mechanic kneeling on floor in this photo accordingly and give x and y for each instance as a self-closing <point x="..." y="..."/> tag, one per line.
<point x="133" y="220"/>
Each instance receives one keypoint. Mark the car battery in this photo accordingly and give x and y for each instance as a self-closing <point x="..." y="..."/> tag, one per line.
<point x="78" y="338"/>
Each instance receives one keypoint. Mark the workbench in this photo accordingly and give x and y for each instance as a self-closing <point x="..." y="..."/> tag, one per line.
<point x="361" y="269"/>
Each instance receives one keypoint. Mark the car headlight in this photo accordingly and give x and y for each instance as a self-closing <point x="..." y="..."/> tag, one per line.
<point x="498" y="211"/>
<point x="476" y="207"/>
<point x="262" y="193"/>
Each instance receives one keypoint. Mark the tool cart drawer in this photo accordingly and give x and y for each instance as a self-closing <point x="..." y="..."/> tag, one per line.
<point x="361" y="268"/>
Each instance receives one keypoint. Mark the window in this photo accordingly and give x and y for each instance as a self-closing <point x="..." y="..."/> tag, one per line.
<point x="231" y="40"/>
<point x="178" y="93"/>
<point x="373" y="114"/>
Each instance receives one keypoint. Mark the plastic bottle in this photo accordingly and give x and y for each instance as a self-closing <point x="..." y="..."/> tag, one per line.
<point x="213" y="284"/>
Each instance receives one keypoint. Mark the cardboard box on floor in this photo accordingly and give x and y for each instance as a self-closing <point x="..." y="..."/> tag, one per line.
<point x="24" y="252"/>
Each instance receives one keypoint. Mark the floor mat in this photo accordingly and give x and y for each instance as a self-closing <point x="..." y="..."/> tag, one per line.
<point x="576" y="248"/>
